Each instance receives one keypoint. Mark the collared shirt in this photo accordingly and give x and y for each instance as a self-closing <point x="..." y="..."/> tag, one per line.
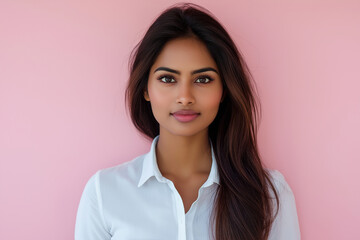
<point x="134" y="201"/>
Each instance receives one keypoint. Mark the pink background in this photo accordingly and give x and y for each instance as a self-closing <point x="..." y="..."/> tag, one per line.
<point x="63" y="69"/>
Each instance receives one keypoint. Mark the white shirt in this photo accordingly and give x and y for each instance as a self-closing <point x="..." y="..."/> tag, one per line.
<point x="134" y="201"/>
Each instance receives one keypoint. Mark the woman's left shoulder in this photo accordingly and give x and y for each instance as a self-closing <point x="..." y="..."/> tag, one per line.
<point x="286" y="223"/>
<point x="279" y="181"/>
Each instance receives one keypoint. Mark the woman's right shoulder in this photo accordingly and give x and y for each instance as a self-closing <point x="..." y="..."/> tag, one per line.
<point x="128" y="171"/>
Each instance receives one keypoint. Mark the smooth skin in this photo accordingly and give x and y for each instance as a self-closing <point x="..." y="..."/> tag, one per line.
<point x="183" y="151"/>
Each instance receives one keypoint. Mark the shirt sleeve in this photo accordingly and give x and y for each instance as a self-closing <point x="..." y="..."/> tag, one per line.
<point x="90" y="222"/>
<point x="286" y="223"/>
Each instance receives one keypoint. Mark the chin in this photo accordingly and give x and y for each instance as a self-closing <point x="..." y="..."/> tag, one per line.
<point x="187" y="131"/>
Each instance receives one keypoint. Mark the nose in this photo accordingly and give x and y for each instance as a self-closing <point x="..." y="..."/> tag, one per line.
<point x="185" y="94"/>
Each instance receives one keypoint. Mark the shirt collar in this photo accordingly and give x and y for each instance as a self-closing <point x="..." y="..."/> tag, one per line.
<point x="150" y="167"/>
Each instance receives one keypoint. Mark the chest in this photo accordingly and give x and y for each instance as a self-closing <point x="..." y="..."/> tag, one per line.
<point x="188" y="189"/>
<point x="152" y="211"/>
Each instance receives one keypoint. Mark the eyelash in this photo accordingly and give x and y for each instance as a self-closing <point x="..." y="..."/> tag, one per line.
<point x="200" y="77"/>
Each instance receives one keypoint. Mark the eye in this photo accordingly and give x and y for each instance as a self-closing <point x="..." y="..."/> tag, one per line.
<point x="166" y="79"/>
<point x="204" y="79"/>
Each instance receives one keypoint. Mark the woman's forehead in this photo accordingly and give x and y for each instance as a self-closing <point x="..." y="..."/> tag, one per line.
<point x="184" y="53"/>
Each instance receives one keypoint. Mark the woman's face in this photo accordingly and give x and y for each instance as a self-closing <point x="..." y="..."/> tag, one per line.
<point x="184" y="77"/>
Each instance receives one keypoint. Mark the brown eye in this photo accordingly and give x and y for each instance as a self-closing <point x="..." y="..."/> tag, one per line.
<point x="166" y="79"/>
<point x="203" y="79"/>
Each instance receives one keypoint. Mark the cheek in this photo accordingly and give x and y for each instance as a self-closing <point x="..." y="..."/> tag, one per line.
<point x="159" y="97"/>
<point x="212" y="101"/>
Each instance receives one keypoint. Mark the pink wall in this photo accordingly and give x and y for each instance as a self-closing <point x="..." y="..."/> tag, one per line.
<point x="63" y="68"/>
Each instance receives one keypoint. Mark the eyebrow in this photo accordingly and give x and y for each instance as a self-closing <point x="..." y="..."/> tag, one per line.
<point x="193" y="72"/>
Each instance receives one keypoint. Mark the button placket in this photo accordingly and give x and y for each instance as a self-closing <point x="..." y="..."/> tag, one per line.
<point x="180" y="212"/>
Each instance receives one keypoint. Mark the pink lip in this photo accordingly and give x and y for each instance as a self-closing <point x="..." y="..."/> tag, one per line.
<point x="185" y="115"/>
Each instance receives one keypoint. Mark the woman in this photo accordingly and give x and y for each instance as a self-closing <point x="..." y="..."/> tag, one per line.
<point x="190" y="92"/>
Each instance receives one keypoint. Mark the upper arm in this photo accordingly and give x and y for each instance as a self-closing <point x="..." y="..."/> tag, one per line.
<point x="90" y="222"/>
<point x="286" y="224"/>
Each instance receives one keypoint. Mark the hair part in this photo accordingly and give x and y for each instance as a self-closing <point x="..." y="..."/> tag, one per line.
<point x="243" y="201"/>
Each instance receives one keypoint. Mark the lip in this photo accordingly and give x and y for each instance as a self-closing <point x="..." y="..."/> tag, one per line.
<point x="185" y="115"/>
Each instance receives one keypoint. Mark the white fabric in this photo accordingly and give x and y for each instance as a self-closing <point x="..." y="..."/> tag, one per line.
<point x="134" y="201"/>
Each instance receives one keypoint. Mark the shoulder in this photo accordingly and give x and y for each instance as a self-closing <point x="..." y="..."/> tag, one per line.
<point x="286" y="223"/>
<point x="126" y="173"/>
<point x="279" y="182"/>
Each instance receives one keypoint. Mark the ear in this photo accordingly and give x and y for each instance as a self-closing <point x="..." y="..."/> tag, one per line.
<point x="146" y="96"/>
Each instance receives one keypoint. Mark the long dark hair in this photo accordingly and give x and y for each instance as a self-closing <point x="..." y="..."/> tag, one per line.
<point x="243" y="204"/>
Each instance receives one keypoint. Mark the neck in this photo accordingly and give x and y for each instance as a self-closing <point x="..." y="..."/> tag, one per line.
<point x="183" y="156"/>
